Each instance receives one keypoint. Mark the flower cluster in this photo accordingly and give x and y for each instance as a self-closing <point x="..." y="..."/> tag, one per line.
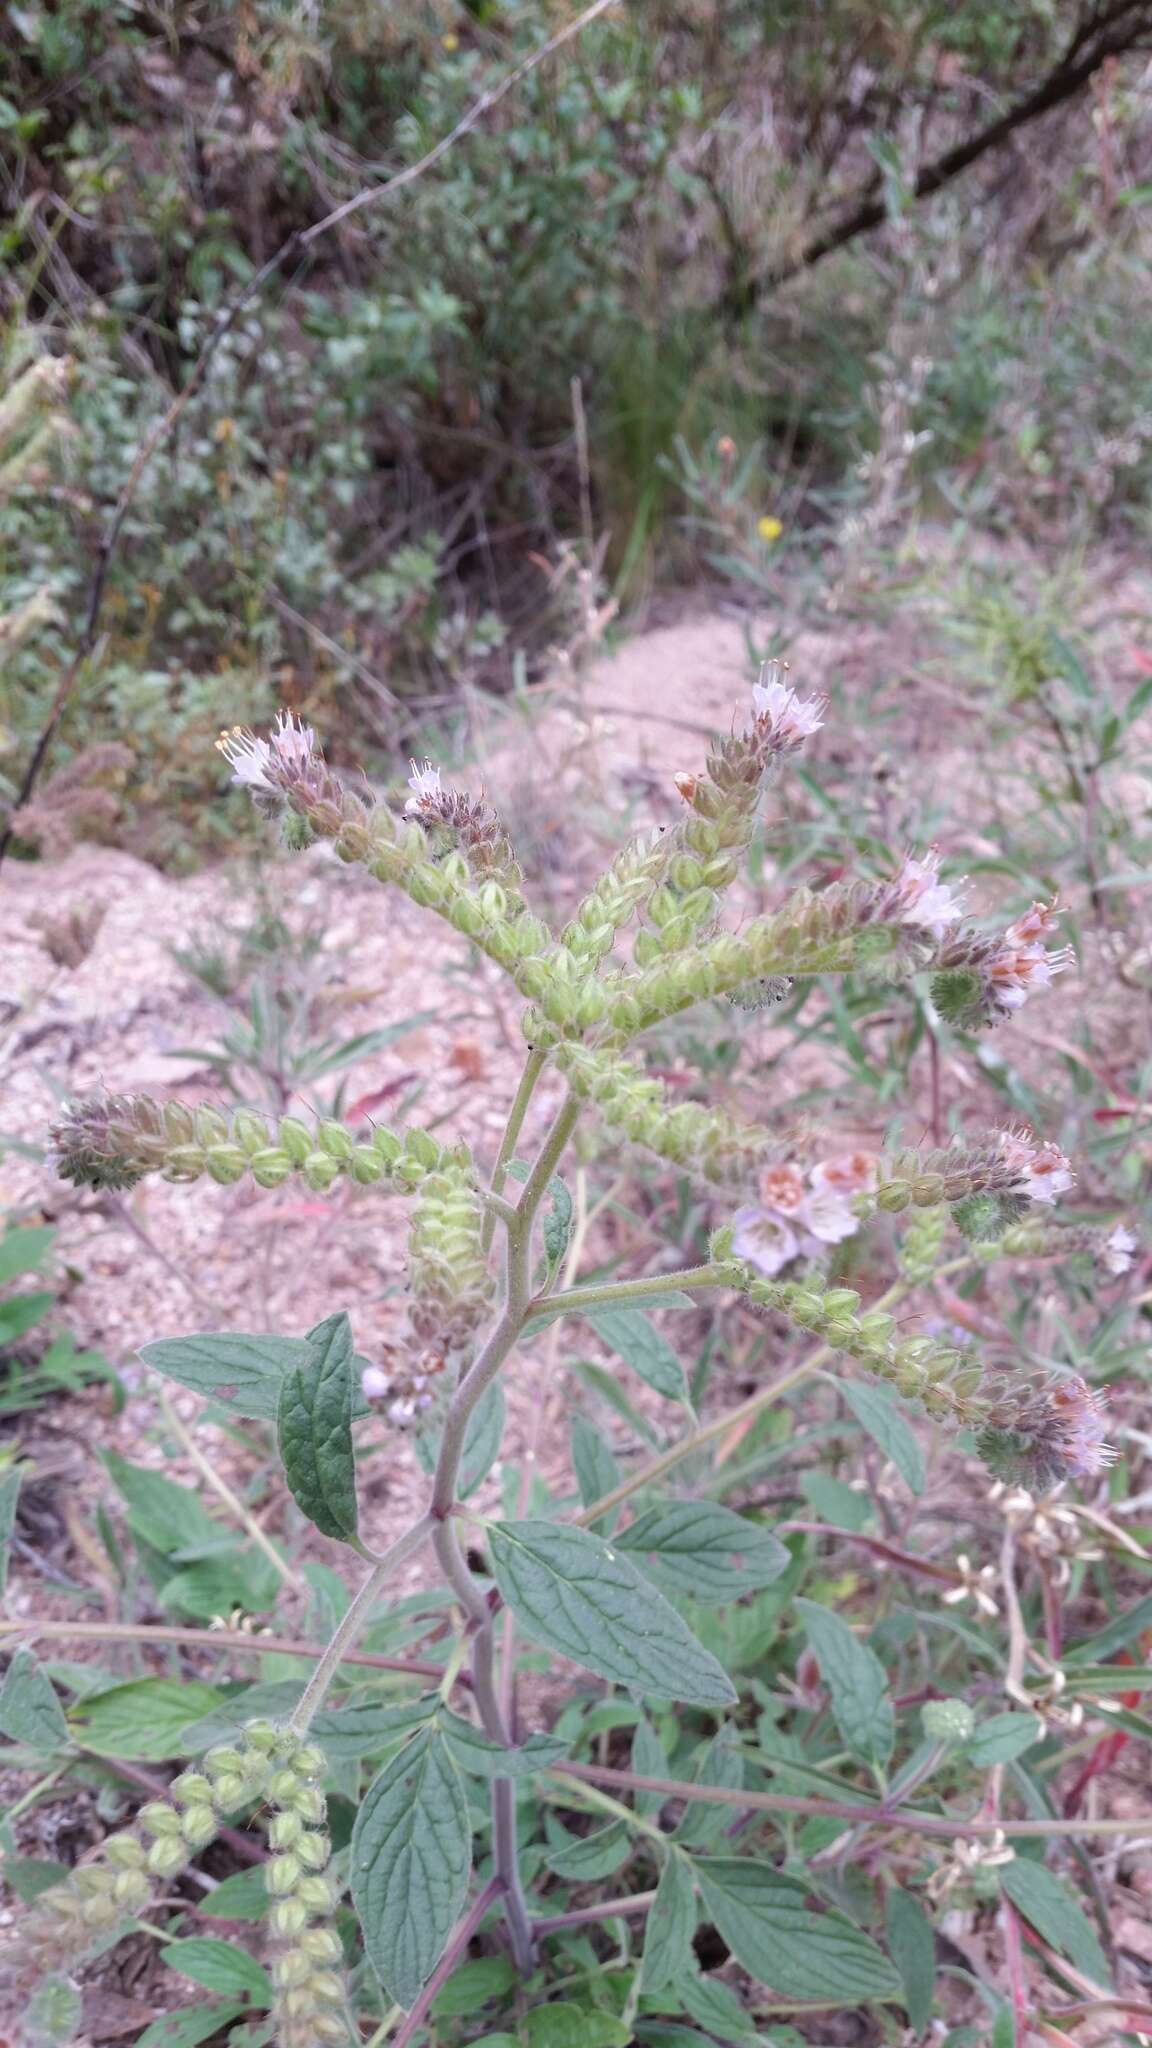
<point x="1043" y="1433"/>
<point x="306" y="1970"/>
<point x="449" y="1273"/>
<point x="799" y="1214"/>
<point x="470" y="823"/>
<point x="1013" y="1164"/>
<point x="982" y="979"/>
<point x="783" y="720"/>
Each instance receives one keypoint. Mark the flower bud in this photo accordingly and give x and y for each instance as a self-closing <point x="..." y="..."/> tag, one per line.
<point x="282" y="1874"/>
<point x="283" y="1788"/>
<point x="322" y="1944"/>
<point x="225" y="1163"/>
<point x="158" y="1819"/>
<point x="285" y="1830"/>
<point x="335" y="1140"/>
<point x="314" y="1851"/>
<point x="224" y="1761"/>
<point x="319" y="1172"/>
<point x="365" y="1165"/>
<point x="200" y="1826"/>
<point x="269" y="1169"/>
<point x="124" y="1852"/>
<point x="166" y="1857"/>
<point x="295" y="1139"/>
<point x="250" y="1132"/>
<point x="947" y="1720"/>
<point x="288" y="1918"/>
<point x="231" y="1792"/>
<point x="132" y="1890"/>
<point x="291" y="1969"/>
<point x="191" y="1788"/>
<point x="317" y="1894"/>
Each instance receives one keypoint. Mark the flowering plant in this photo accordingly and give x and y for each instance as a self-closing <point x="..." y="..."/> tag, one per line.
<point x="490" y="1266"/>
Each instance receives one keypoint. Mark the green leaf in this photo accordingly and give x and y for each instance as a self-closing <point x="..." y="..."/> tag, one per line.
<point x="482" y="1441"/>
<point x="1052" y="1908"/>
<point x="877" y="1412"/>
<point x="9" y="1498"/>
<point x="483" y="1759"/>
<point x="169" y="1517"/>
<point x="670" y="1926"/>
<point x="649" y="1760"/>
<point x="243" y="1896"/>
<point x="218" y="1966"/>
<point x="722" y="1764"/>
<point x="21" y="1312"/>
<point x="765" y="1921"/>
<point x="346" y="1734"/>
<point x="53" y="2014"/>
<point x="564" y="2025"/>
<point x="191" y="2025"/>
<point x="572" y="1592"/>
<point x="834" y="1501"/>
<point x="557" y="1226"/>
<point x="597" y="1472"/>
<point x="584" y="1858"/>
<point x="607" y="1386"/>
<point x="244" y="1373"/>
<point x="21" y="1251"/>
<point x="713" y="2004"/>
<point x="28" y="1876"/>
<point x="144" y="1720"/>
<point x="314" y="1425"/>
<point x="640" y="1345"/>
<point x="1002" y="1738"/>
<point x="273" y="1700"/>
<point x="856" y="1680"/>
<point x="472" y="1986"/>
<point x="705" y="1550"/>
<point x="30" y="1712"/>
<point x="913" y="1945"/>
<point x="411" y="1855"/>
<point x="1116" y="1634"/>
<point x="242" y="1578"/>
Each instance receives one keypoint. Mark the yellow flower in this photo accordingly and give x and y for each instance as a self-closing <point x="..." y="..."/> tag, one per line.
<point x="450" y="43"/>
<point x="768" y="528"/>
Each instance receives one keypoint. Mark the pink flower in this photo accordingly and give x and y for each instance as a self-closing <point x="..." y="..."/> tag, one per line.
<point x="424" y="782"/>
<point x="1081" y="1426"/>
<point x="764" y="1240"/>
<point x="922" y="899"/>
<point x="782" y="1189"/>
<point x="1022" y="963"/>
<point x="784" y="718"/>
<point x="270" y="764"/>
<point x="1042" y="1170"/>
<point x="854" y="1173"/>
<point x="1117" y="1249"/>
<point x="828" y="1217"/>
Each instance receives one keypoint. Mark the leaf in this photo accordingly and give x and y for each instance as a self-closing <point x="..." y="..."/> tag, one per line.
<point x="877" y="1412"/>
<point x="53" y="2014"/>
<point x="765" y="1921"/>
<point x="649" y="1760"/>
<point x="697" y="1545"/>
<point x="474" y="1985"/>
<point x="169" y="1517"/>
<point x="1115" y="1635"/>
<point x="856" y="1680"/>
<point x="346" y="1734"/>
<point x="564" y="2025"/>
<point x="575" y="1594"/>
<point x="670" y="1926"/>
<point x="913" y="1945"/>
<point x="713" y="2004"/>
<point x="1002" y="1738"/>
<point x="21" y="1251"/>
<point x="1052" y="1908"/>
<point x="482" y="1441"/>
<point x="9" y="1498"/>
<point x="584" y="1858"/>
<point x="191" y="2025"/>
<point x="640" y="1345"/>
<point x="241" y="1578"/>
<point x="30" y="1712"/>
<point x="483" y="1759"/>
<point x="314" y="1425"/>
<point x="411" y="1855"/>
<point x="557" y="1226"/>
<point x="28" y="1876"/>
<point x="144" y="1720"/>
<point x="722" y="1765"/>
<point x="243" y="1896"/>
<point x="608" y="1387"/>
<point x="273" y="1700"/>
<point x="597" y="1472"/>
<point x="245" y="1373"/>
<point x="219" y="1966"/>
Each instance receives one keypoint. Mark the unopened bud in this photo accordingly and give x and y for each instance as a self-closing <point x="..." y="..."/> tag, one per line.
<point x="282" y="1875"/>
<point x="166" y="1857"/>
<point x="947" y="1720"/>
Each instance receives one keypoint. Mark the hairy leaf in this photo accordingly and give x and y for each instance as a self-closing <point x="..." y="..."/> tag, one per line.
<point x="640" y="1345"/>
<point x="315" y="1430"/>
<point x="877" y="1412"/>
<point x="856" y="1680"/>
<point x="913" y="1945"/>
<point x="1052" y="1908"/>
<point x="705" y="1550"/>
<point x="219" y="1966"/>
<point x="670" y="1926"/>
<point x="584" y="1858"/>
<point x="596" y="1469"/>
<point x="30" y="1712"/>
<point x="764" y="1919"/>
<point x="144" y="1720"/>
<point x="411" y="1854"/>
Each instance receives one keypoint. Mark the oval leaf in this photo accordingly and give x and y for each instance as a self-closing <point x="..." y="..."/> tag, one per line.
<point x="574" y="1593"/>
<point x="315" y="1430"/>
<point x="583" y="1858"/>
<point x="670" y="1927"/>
<point x="876" y="1411"/>
<point x="1052" y="1908"/>
<point x="856" y="1680"/>
<point x="30" y="1712"/>
<point x="764" y="1919"/>
<point x="219" y="1966"/>
<point x="411" y="1855"/>
<point x="640" y="1345"/>
<point x="705" y="1550"/>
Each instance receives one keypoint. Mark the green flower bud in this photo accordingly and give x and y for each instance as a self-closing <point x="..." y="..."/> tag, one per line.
<point x="947" y="1720"/>
<point x="224" y="1762"/>
<point x="295" y="1139"/>
<point x="200" y="1826"/>
<point x="327" y="1988"/>
<point x="318" y="1894"/>
<point x="893" y="1196"/>
<point x="158" y="1819"/>
<point x="309" y="1761"/>
<point x="322" y="1944"/>
<point x="319" y="1171"/>
<point x="365" y="1166"/>
<point x="132" y="1890"/>
<point x="191" y="1788"/>
<point x="314" y="1851"/>
<point x="102" y="1911"/>
<point x="282" y="1875"/>
<point x="309" y="1803"/>
<point x="167" y="1857"/>
<point x="184" y="1163"/>
<point x="283" y="1788"/>
<point x="271" y="1168"/>
<point x="287" y="1918"/>
<point x="285" y="1830"/>
<point x="335" y="1140"/>
<point x="249" y="1131"/>
<point x="231" y="1792"/>
<point x="291" y="1969"/>
<point x="226" y="1164"/>
<point x="211" y="1125"/>
<point x="124" y="1852"/>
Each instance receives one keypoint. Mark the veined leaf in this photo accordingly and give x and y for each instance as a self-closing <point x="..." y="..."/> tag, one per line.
<point x="9" y="1498"/>
<point x="913" y="1945"/>
<point x="483" y="1759"/>
<point x="574" y="1593"/>
<point x="640" y="1345"/>
<point x="765" y="1921"/>
<point x="144" y="1720"/>
<point x="410" y="1858"/>
<point x="315" y="1430"/>
<point x="705" y="1550"/>
<point x="670" y="1926"/>
<point x="169" y="1517"/>
<point x="856" y="1681"/>
<point x="722" y="1764"/>
<point x="877" y="1412"/>
<point x="1052" y="1908"/>
<point x="1002" y="1738"/>
<point x="596" y="1469"/>
<point x="219" y="1966"/>
<point x="563" y="2024"/>
<point x="30" y="1712"/>
<point x="188" y="2027"/>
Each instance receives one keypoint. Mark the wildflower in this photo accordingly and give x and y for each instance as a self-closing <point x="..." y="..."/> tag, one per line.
<point x="1022" y="962"/>
<point x="782" y="717"/>
<point x="375" y="1383"/>
<point x="854" y="1173"/>
<point x="426" y="787"/>
<point x="726" y="448"/>
<point x="764" y="1240"/>
<point x="1041" y="1435"/>
<point x="249" y="758"/>
<point x="782" y="1188"/>
<point x="1117" y="1249"/>
<point x="1042" y="1171"/>
<point x="769" y="528"/>
<point x="922" y="900"/>
<point x="828" y="1217"/>
<point x="1081" y="1428"/>
<point x="975" y="1583"/>
<point x="270" y="765"/>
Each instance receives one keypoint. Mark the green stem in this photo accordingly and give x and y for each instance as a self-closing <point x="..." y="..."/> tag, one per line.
<point x="533" y="1068"/>
<point x="600" y="1294"/>
<point x="313" y="1696"/>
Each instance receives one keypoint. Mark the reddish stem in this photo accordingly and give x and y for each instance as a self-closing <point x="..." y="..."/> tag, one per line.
<point x="457" y="1944"/>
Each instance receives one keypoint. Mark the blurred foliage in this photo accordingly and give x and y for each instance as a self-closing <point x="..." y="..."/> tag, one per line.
<point x="365" y="504"/>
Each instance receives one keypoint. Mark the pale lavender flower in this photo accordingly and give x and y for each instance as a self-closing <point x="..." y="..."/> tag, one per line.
<point x="827" y="1217"/>
<point x="786" y="719"/>
<point x="1043" y="1171"/>
<point x="426" y="787"/>
<point x="922" y="899"/>
<point x="375" y="1383"/>
<point x="1117" y="1249"/>
<point x="1022" y="962"/>
<point x="764" y="1240"/>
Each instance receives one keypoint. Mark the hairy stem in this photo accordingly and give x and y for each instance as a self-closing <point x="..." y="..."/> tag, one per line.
<point x="534" y="1066"/>
<point x="588" y="1916"/>
<point x="602" y="1294"/>
<point x="449" y="1961"/>
<point x="227" y="1642"/>
<point x="312" y="1698"/>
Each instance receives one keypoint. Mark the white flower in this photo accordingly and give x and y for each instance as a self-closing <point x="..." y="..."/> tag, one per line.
<point x="293" y="743"/>
<point x="789" y="719"/>
<point x="1117" y="1249"/>
<point x="248" y="757"/>
<point x="922" y="899"/>
<point x="375" y="1383"/>
<point x="424" y="782"/>
<point x="763" y="1239"/>
<point x="1023" y="963"/>
<point x="828" y="1216"/>
<point x="1043" y="1170"/>
<point x="853" y="1173"/>
<point x="782" y="1189"/>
